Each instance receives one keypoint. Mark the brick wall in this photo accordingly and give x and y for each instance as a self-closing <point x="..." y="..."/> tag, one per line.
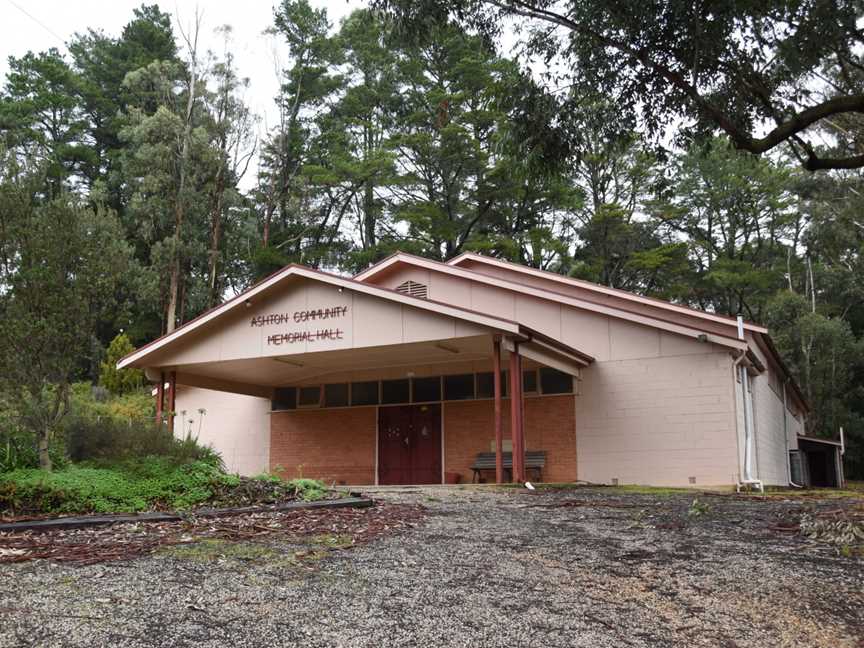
<point x="336" y="445"/>
<point x="549" y="425"/>
<point x="339" y="445"/>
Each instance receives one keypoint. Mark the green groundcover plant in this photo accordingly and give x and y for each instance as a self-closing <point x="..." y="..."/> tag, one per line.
<point x="151" y="483"/>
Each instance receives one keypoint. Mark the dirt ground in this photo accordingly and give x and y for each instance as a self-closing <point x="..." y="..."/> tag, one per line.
<point x="578" y="567"/>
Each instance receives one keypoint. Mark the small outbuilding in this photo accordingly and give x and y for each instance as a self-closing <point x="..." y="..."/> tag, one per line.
<point x="413" y="370"/>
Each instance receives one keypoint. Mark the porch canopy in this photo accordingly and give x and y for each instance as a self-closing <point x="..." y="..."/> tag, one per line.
<point x="301" y="325"/>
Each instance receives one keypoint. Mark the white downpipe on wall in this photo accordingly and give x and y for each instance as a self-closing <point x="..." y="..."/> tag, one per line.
<point x="747" y="398"/>
<point x="786" y="439"/>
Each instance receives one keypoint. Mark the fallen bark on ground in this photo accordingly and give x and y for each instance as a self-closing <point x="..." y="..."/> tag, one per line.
<point x="124" y="541"/>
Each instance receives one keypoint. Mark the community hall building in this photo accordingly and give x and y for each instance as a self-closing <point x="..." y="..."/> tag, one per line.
<point x="421" y="372"/>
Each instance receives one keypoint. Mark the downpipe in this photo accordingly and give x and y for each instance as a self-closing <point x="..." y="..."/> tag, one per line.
<point x="786" y="439"/>
<point x="747" y="399"/>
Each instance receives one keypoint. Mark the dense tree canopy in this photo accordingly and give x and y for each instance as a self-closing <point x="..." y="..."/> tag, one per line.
<point x="620" y="146"/>
<point x="766" y="73"/>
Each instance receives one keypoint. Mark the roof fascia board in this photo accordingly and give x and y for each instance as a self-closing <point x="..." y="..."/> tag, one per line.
<point x="551" y="358"/>
<point x="623" y="294"/>
<point x="549" y="295"/>
<point x="801" y="437"/>
<point x="315" y="275"/>
<point x="218" y="384"/>
<point x="383" y="264"/>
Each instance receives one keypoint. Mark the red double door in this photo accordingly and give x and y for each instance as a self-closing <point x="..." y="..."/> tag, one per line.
<point x="409" y="444"/>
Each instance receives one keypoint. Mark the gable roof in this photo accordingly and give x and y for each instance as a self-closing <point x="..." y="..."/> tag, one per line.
<point x="630" y="301"/>
<point x="455" y="267"/>
<point x="470" y="257"/>
<point x="294" y="270"/>
<point x="627" y="311"/>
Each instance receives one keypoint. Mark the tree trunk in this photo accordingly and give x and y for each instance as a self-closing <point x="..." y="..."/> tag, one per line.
<point x="216" y="235"/>
<point x="173" y="294"/>
<point x="369" y="215"/>
<point x="44" y="455"/>
<point x="180" y="200"/>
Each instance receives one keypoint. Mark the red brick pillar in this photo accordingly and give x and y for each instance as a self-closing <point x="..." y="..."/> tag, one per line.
<point x="516" y="413"/>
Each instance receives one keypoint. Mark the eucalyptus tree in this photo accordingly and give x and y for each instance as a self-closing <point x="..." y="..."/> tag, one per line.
<point x="168" y="167"/>
<point x="232" y="138"/>
<point x="307" y="81"/>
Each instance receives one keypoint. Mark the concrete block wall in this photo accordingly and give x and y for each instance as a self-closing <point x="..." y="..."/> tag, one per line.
<point x="771" y="449"/>
<point x="659" y="421"/>
<point x="235" y="425"/>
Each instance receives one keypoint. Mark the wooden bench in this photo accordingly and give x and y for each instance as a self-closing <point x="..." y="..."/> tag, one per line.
<point x="534" y="460"/>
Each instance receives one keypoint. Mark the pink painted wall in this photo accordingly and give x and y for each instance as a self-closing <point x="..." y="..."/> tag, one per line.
<point x="367" y="321"/>
<point x="236" y="426"/>
<point x="655" y="408"/>
<point x="769" y="416"/>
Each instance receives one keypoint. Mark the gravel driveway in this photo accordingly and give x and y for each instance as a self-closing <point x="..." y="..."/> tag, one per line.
<point x="585" y="567"/>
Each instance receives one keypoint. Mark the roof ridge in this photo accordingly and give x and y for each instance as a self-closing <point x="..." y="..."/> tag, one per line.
<point x="591" y="285"/>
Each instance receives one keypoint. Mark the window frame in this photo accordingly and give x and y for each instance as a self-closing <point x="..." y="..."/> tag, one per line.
<point x="317" y="404"/>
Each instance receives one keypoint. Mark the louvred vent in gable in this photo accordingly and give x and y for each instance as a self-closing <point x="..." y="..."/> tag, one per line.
<point x="412" y="288"/>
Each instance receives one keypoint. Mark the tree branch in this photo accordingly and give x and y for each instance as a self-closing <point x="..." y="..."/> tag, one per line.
<point x="742" y="140"/>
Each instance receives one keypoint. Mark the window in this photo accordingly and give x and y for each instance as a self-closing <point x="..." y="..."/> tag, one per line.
<point x="394" y="391"/>
<point x="427" y="389"/>
<point x="412" y="288"/>
<point x="364" y="393"/>
<point x="486" y="385"/>
<point x="336" y="395"/>
<point x="553" y="381"/>
<point x="529" y="381"/>
<point x="309" y="396"/>
<point x="284" y="398"/>
<point x="460" y="387"/>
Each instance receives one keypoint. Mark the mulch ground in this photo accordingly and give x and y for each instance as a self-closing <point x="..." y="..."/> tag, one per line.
<point x="125" y="541"/>
<point x="576" y="568"/>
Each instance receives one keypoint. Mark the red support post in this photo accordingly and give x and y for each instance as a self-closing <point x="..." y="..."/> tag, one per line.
<point x="172" y="399"/>
<point x="499" y="432"/>
<point x="516" y="413"/>
<point x="160" y="398"/>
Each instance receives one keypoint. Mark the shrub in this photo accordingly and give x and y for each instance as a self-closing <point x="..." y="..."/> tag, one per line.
<point x="141" y="484"/>
<point x="119" y="381"/>
<point x="95" y="402"/>
<point x="308" y="489"/>
<point x="148" y="483"/>
<point x="107" y="441"/>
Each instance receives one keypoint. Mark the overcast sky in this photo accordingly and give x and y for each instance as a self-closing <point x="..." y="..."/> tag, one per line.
<point x="41" y="24"/>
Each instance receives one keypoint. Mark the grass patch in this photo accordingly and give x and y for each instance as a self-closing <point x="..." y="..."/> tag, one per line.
<point x="332" y="540"/>
<point x="213" y="549"/>
<point x="810" y="493"/>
